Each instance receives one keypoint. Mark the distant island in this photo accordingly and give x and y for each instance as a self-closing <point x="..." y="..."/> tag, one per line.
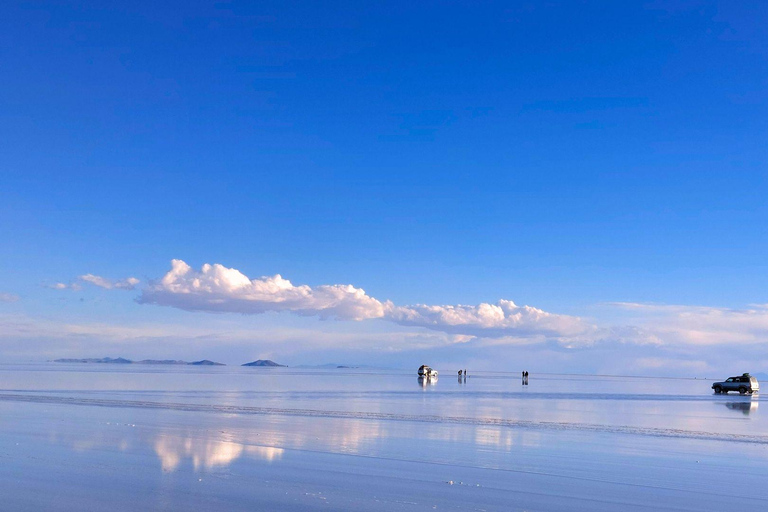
<point x="122" y="360"/>
<point x="264" y="362"/>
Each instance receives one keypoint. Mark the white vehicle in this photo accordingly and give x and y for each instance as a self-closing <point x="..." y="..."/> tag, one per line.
<point x="426" y="371"/>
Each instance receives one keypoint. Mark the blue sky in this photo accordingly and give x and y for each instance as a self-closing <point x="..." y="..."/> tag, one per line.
<point x="565" y="156"/>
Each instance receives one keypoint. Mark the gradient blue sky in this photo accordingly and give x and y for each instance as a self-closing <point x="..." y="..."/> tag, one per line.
<point x="563" y="155"/>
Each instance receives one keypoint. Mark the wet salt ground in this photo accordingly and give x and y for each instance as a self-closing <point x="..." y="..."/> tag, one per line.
<point x="88" y="438"/>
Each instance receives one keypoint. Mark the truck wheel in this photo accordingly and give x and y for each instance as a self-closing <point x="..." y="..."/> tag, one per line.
<point x="742" y="391"/>
<point x="718" y="390"/>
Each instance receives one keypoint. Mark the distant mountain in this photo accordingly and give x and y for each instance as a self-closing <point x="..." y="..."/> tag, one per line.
<point x="122" y="360"/>
<point x="110" y="360"/>
<point x="264" y="362"/>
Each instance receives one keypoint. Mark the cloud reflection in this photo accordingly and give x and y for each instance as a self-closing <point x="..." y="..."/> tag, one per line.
<point x="207" y="454"/>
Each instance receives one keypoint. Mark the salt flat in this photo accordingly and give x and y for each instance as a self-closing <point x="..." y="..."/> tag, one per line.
<point x="96" y="437"/>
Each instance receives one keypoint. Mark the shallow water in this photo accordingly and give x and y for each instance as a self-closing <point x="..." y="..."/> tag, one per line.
<point x="88" y="437"/>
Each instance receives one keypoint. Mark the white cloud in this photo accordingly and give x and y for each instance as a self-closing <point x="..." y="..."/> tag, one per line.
<point x="220" y="289"/>
<point x="8" y="297"/>
<point x="217" y="288"/>
<point x="128" y="283"/>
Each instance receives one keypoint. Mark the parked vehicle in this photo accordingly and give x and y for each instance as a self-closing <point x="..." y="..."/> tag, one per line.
<point x="426" y="371"/>
<point x="743" y="384"/>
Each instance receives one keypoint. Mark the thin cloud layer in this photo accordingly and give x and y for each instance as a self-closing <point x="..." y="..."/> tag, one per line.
<point x="216" y="288"/>
<point x="701" y="325"/>
<point x="8" y="297"/>
<point x="504" y="318"/>
<point x="129" y="283"/>
<point x="74" y="285"/>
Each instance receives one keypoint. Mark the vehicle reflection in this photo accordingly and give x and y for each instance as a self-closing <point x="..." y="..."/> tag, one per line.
<point x="427" y="381"/>
<point x="745" y="407"/>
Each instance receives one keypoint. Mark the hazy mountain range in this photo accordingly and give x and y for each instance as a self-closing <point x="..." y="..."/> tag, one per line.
<point x="122" y="360"/>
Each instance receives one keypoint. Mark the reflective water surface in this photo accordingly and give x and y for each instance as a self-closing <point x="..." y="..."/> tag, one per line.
<point x="88" y="437"/>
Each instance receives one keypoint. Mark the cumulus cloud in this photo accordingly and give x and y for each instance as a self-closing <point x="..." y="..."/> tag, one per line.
<point x="221" y="289"/>
<point x="8" y="297"/>
<point x="129" y="283"/>
<point x="217" y="288"/>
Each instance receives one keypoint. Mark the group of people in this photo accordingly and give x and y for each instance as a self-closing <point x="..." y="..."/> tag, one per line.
<point x="463" y="376"/>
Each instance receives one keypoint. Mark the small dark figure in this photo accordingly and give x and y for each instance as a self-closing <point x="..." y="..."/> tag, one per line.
<point x="459" y="373"/>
